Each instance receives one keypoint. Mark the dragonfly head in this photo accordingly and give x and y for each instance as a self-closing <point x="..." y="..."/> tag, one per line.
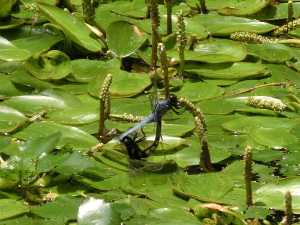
<point x="174" y="102"/>
<point x="127" y="141"/>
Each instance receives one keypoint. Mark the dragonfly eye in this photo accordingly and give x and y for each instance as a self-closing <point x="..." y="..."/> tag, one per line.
<point x="127" y="140"/>
<point x="173" y="100"/>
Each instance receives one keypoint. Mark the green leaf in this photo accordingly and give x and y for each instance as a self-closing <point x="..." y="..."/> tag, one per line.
<point x="274" y="138"/>
<point x="84" y="70"/>
<point x="74" y="28"/>
<point x="11" y="119"/>
<point x="11" y="208"/>
<point x="43" y="145"/>
<point x="246" y="124"/>
<point x="123" y="38"/>
<point x="241" y="8"/>
<point x="213" y="51"/>
<point x="271" y="52"/>
<point x="95" y="211"/>
<point x="272" y="194"/>
<point x="62" y="209"/>
<point x="9" y="89"/>
<point x="37" y="43"/>
<point x="34" y="104"/>
<point x="74" y="164"/>
<point x="225" y="25"/>
<point x="51" y="65"/>
<point x="74" y="137"/>
<point x="124" y="84"/>
<point x="200" y="91"/>
<point x="237" y="70"/>
<point x="9" y="52"/>
<point x="206" y="186"/>
<point x="23" y="77"/>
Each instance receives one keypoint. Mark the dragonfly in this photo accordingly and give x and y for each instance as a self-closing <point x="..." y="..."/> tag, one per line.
<point x="160" y="108"/>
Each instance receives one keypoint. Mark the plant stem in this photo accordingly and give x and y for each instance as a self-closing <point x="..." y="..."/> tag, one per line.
<point x="288" y="208"/>
<point x="248" y="174"/>
<point x="169" y="4"/>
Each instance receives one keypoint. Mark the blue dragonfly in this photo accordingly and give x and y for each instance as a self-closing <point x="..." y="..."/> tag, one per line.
<point x="160" y="108"/>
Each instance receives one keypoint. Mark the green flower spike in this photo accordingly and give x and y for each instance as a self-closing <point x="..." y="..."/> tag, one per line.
<point x="181" y="40"/>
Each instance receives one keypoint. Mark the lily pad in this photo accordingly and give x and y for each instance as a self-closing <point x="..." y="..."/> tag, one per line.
<point x="84" y="70"/>
<point x="10" y="119"/>
<point x="123" y="38"/>
<point x="43" y="145"/>
<point x="213" y="51"/>
<point x="62" y="209"/>
<point x="51" y="65"/>
<point x="21" y="76"/>
<point x="271" y="52"/>
<point x="34" y="104"/>
<point x="11" y="208"/>
<point x="211" y="186"/>
<point x="37" y="43"/>
<point x="273" y="138"/>
<point x="9" y="89"/>
<point x="200" y="91"/>
<point x="124" y="84"/>
<point x="74" y="28"/>
<point x="225" y="25"/>
<point x="237" y="70"/>
<point x="246" y="124"/>
<point x="272" y="194"/>
<point x="241" y="8"/>
<point x="9" y="52"/>
<point x="74" y="137"/>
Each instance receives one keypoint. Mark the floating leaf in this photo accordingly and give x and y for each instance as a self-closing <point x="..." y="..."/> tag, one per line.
<point x="51" y="65"/>
<point x="34" y="104"/>
<point x="84" y="70"/>
<point x="43" y="145"/>
<point x="9" y="52"/>
<point x="271" y="52"/>
<point x="273" y="138"/>
<point x="213" y="51"/>
<point x="72" y="27"/>
<point x="236" y="70"/>
<point x="37" y="43"/>
<point x="272" y="194"/>
<point x="76" y="163"/>
<point x="124" y="84"/>
<point x="9" y="89"/>
<point x="11" y="119"/>
<point x="11" y="208"/>
<point x="241" y="8"/>
<point x="206" y="186"/>
<point x="200" y="91"/>
<point x="123" y="38"/>
<point x="63" y="208"/>
<point x="246" y="124"/>
<point x="225" y="25"/>
<point x="74" y="137"/>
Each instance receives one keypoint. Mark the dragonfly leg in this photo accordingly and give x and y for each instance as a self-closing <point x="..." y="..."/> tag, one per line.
<point x="178" y="113"/>
<point x="142" y="138"/>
